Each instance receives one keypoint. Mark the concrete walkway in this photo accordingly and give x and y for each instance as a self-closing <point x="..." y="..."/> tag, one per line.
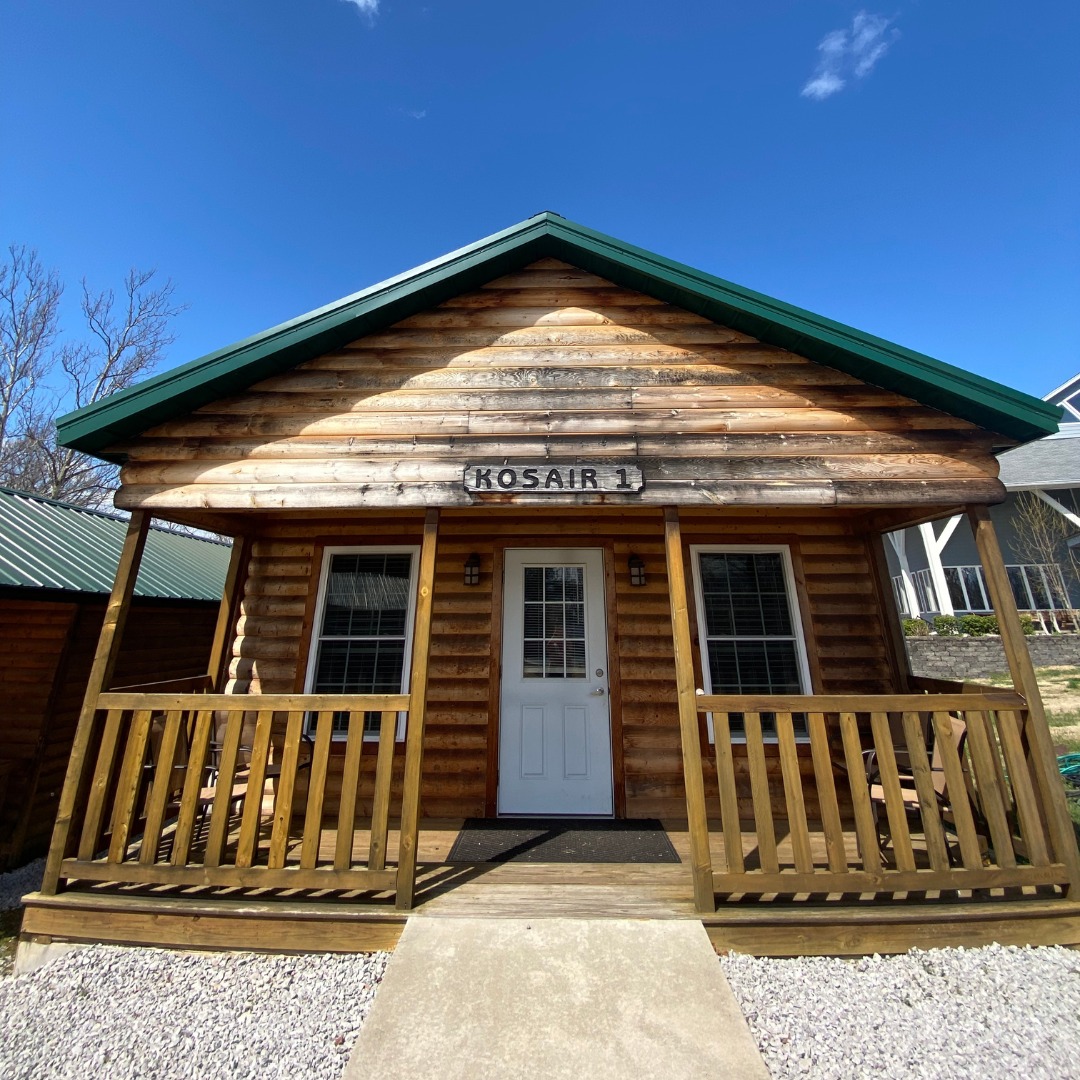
<point x="552" y="998"/>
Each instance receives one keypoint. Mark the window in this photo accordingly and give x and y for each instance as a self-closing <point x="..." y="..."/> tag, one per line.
<point x="967" y="588"/>
<point x="924" y="590"/>
<point x="749" y="629"/>
<point x="363" y="628"/>
<point x="900" y="595"/>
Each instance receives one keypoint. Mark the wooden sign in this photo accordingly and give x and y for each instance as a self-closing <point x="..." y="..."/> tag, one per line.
<point x="550" y="479"/>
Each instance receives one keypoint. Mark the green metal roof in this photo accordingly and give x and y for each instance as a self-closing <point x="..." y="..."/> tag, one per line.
<point x="174" y="393"/>
<point x="46" y="544"/>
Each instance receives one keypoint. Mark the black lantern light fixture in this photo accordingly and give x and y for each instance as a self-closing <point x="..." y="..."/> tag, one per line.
<point x="637" y="570"/>
<point x="472" y="569"/>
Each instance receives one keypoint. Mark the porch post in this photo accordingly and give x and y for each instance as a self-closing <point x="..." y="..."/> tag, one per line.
<point x="1023" y="675"/>
<point x="697" y="820"/>
<point x="222" y="631"/>
<point x="414" y="740"/>
<point x="101" y="673"/>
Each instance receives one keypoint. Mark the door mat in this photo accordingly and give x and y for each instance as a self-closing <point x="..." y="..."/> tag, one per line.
<point x="562" y="840"/>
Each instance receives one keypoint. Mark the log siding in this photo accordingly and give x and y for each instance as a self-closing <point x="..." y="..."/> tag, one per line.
<point x="552" y="363"/>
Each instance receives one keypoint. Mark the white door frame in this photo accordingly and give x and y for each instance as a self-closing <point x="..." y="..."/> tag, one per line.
<point x="574" y="773"/>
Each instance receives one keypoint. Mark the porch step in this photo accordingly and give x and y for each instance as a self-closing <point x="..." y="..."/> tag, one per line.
<point x="603" y="998"/>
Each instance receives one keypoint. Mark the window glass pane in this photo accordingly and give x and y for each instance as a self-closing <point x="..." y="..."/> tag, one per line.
<point x="744" y="594"/>
<point x="956" y="589"/>
<point x="1019" y="588"/>
<point x="973" y="583"/>
<point x="359" y="667"/>
<point x="366" y="595"/>
<point x="754" y="667"/>
<point x="1038" y="588"/>
<point x="534" y="583"/>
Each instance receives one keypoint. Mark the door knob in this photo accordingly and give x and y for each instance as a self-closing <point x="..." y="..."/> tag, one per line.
<point x="599" y="691"/>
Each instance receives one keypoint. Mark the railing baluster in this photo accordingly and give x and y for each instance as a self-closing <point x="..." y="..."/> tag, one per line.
<point x="283" y="800"/>
<point x="350" y="781"/>
<point x="759" y="789"/>
<point x="929" y="811"/>
<point x="190" y="798"/>
<point x="1031" y="827"/>
<point x="729" y="795"/>
<point x="793" y="793"/>
<point x="309" y="847"/>
<point x="865" y="829"/>
<point x="970" y="852"/>
<point x="989" y="785"/>
<point x="828" y="804"/>
<point x="380" y="809"/>
<point x="160" y="789"/>
<point x="99" y="787"/>
<point x="129" y="785"/>
<point x="248" y="841"/>
<point x="890" y="786"/>
<point x="223" y="790"/>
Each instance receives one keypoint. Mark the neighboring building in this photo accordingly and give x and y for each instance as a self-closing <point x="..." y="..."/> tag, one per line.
<point x="935" y="569"/>
<point x="556" y="526"/>
<point x="57" y="564"/>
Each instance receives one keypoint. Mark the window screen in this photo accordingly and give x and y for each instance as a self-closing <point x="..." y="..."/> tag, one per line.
<point x="750" y="640"/>
<point x="362" y="629"/>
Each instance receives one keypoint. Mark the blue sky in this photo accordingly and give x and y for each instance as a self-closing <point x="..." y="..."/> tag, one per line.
<point x="912" y="170"/>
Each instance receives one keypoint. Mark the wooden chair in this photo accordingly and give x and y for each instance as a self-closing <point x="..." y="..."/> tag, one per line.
<point x="908" y="791"/>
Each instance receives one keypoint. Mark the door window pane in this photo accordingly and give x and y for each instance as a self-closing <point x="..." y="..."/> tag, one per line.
<point x="554" y="622"/>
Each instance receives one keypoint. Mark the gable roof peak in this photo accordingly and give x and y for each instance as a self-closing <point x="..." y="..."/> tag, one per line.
<point x="98" y="427"/>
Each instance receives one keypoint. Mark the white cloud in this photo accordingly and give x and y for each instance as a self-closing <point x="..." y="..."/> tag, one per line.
<point x="417" y="114"/>
<point x="849" y="53"/>
<point x="368" y="7"/>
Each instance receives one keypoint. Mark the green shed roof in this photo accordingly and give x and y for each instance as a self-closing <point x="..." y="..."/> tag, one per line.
<point x="123" y="415"/>
<point x="45" y="544"/>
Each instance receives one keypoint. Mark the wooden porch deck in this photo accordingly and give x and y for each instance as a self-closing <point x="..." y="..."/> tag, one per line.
<point x="305" y="920"/>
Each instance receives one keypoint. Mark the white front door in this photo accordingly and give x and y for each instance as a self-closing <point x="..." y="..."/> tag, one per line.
<point x="554" y="727"/>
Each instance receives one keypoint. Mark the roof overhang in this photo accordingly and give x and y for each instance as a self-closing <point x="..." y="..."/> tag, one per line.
<point x="97" y="428"/>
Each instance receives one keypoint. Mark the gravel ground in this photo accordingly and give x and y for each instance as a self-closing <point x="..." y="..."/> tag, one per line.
<point x="944" y="1014"/>
<point x="122" y="1013"/>
<point x="15" y="884"/>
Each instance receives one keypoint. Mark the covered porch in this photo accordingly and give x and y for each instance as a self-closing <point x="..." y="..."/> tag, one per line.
<point x="823" y="822"/>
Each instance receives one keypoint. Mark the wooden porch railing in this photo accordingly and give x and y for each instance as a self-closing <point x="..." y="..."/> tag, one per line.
<point x="993" y="829"/>
<point x="170" y="794"/>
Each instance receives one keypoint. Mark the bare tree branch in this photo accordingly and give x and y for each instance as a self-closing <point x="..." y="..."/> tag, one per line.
<point x="127" y="338"/>
<point x="29" y="313"/>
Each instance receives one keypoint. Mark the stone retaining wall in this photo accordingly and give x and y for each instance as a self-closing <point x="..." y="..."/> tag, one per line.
<point x="976" y="657"/>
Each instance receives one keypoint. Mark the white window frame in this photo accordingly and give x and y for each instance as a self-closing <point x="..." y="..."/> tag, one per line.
<point x="413" y="551"/>
<point x="802" y="661"/>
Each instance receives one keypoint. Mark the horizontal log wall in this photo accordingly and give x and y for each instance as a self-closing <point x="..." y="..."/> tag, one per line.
<point x="51" y="647"/>
<point x="554" y="364"/>
<point x="271" y="643"/>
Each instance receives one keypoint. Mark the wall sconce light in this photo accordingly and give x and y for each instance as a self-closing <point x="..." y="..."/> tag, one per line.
<point x="637" y="570"/>
<point x="472" y="569"/>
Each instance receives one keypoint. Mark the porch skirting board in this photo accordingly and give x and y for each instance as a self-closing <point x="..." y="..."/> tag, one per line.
<point x="788" y="929"/>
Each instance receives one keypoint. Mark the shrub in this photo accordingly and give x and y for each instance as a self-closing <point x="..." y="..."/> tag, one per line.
<point x="916" y="628"/>
<point x="978" y="625"/>
<point x="1027" y="624"/>
<point x="946" y="625"/>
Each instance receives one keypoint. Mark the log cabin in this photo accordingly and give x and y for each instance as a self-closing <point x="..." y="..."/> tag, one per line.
<point x="554" y="526"/>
